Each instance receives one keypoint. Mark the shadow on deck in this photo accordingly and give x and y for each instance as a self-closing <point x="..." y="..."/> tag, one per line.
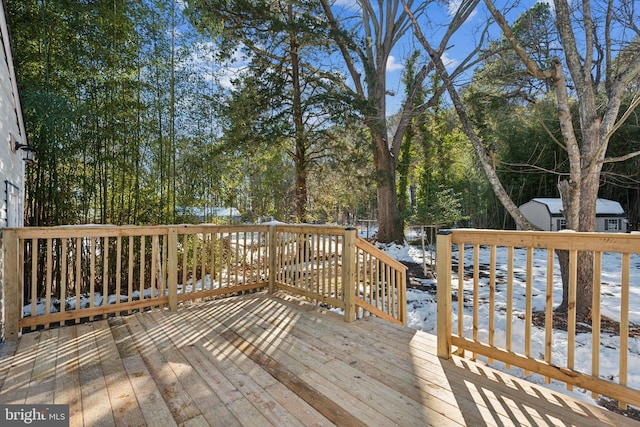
<point x="264" y="360"/>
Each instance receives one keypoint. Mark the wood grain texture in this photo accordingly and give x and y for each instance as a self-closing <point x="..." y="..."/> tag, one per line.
<point x="270" y="360"/>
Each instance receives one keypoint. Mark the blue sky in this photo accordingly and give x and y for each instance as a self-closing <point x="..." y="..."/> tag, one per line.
<point x="438" y="18"/>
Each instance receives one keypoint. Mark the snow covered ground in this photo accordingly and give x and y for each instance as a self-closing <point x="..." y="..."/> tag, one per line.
<point x="421" y="314"/>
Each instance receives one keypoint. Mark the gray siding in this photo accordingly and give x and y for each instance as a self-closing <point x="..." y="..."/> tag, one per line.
<point x="11" y="161"/>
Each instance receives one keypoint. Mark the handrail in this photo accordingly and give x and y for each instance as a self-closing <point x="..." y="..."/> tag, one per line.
<point x="465" y="281"/>
<point x="381" y="284"/>
<point x="315" y="262"/>
<point x="78" y="272"/>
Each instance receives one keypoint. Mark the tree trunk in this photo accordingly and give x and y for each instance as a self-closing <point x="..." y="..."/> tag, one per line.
<point x="390" y="222"/>
<point x="301" y="193"/>
<point x="404" y="199"/>
<point x="300" y="157"/>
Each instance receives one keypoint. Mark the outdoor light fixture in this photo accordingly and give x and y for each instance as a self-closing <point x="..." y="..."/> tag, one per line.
<point x="29" y="151"/>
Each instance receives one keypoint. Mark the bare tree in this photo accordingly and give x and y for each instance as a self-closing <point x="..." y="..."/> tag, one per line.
<point x="600" y="62"/>
<point x="383" y="25"/>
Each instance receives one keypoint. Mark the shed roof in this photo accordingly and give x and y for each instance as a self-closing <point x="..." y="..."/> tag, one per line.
<point x="603" y="206"/>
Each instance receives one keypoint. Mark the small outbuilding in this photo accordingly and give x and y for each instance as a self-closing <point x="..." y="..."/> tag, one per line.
<point x="546" y="214"/>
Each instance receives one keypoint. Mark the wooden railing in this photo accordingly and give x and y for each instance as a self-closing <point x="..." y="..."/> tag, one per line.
<point x="66" y="274"/>
<point x="380" y="284"/>
<point x="495" y="256"/>
<point x="335" y="267"/>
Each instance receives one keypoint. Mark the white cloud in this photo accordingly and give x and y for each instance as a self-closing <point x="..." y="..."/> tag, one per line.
<point x="347" y="4"/>
<point x="392" y="65"/>
<point x="449" y="63"/>
<point x="228" y="74"/>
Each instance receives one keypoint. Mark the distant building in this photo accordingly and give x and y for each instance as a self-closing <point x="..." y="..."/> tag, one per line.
<point x="199" y="215"/>
<point x="13" y="137"/>
<point x="546" y="214"/>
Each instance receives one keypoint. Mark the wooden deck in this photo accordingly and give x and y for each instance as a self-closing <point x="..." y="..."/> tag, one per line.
<point x="268" y="360"/>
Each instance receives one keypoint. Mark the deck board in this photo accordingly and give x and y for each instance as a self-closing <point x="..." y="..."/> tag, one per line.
<point x="96" y="408"/>
<point x="67" y="388"/>
<point x="154" y="409"/>
<point x="260" y="360"/>
<point x="16" y="385"/>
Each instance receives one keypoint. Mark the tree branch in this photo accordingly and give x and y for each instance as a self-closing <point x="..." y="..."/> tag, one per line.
<point x="467" y="126"/>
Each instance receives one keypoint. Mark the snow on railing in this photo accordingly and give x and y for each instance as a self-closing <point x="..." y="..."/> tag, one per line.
<point x="508" y="287"/>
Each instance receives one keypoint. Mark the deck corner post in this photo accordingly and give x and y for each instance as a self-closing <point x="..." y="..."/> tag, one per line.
<point x="12" y="285"/>
<point x="172" y="271"/>
<point x="348" y="273"/>
<point x="443" y="273"/>
<point x="402" y="298"/>
<point x="273" y="248"/>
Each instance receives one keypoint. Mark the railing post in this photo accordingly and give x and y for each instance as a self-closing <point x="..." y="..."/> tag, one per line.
<point x="12" y="285"/>
<point x="349" y="273"/>
<point x="172" y="270"/>
<point x="273" y="247"/>
<point x="402" y="297"/>
<point x="443" y="272"/>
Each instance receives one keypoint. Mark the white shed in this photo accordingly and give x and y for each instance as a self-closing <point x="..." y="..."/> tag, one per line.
<point x="13" y="138"/>
<point x="546" y="214"/>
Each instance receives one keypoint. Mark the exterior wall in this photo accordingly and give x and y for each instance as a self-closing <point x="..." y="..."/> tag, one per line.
<point x="11" y="161"/>
<point x="11" y="131"/>
<point x="612" y="224"/>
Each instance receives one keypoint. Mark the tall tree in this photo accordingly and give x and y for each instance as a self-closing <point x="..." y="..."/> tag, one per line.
<point x="600" y="59"/>
<point x="287" y="93"/>
<point x="365" y="54"/>
<point x="589" y="53"/>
